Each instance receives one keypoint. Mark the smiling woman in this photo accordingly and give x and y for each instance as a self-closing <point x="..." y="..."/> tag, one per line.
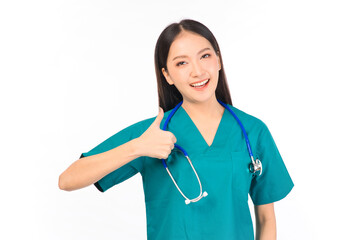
<point x="190" y="75"/>
<point x="188" y="53"/>
<point x="189" y="71"/>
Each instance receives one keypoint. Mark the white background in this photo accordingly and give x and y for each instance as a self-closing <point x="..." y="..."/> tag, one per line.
<point x="73" y="73"/>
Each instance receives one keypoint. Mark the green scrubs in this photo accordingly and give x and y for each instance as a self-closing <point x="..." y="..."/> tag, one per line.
<point x="223" y="169"/>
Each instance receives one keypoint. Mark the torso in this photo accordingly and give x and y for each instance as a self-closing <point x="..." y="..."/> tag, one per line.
<point x="207" y="125"/>
<point x="207" y="128"/>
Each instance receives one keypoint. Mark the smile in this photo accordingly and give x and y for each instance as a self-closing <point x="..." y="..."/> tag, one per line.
<point x="200" y="84"/>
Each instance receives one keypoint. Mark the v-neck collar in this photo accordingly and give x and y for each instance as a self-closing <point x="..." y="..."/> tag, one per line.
<point x="200" y="136"/>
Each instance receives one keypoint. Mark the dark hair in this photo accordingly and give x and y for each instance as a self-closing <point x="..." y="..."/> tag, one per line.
<point x="168" y="95"/>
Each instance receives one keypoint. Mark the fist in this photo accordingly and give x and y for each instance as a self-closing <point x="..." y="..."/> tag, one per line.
<point x="155" y="142"/>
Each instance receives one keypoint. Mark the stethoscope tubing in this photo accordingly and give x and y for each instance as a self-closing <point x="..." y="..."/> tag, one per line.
<point x="254" y="166"/>
<point x="242" y="127"/>
<point x="225" y="106"/>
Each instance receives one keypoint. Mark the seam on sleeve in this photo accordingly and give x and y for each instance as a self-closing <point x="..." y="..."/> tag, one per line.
<point x="97" y="185"/>
<point x="275" y="198"/>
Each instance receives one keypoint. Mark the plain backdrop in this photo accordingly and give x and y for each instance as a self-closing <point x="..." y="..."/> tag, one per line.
<point x="73" y="73"/>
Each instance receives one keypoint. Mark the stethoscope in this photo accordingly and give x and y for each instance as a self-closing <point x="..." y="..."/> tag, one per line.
<point x="254" y="166"/>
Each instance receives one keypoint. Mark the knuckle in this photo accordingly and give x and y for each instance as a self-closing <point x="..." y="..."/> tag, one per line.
<point x="161" y="156"/>
<point x="171" y="135"/>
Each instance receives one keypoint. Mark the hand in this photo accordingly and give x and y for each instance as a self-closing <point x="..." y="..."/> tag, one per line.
<point x="155" y="142"/>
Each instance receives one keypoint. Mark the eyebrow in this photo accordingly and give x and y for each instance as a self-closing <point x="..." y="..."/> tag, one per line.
<point x="184" y="56"/>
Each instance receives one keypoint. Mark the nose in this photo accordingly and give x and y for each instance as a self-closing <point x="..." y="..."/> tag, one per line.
<point x="197" y="69"/>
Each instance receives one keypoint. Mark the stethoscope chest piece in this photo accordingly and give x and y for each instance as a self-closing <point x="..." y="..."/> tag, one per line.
<point x="255" y="166"/>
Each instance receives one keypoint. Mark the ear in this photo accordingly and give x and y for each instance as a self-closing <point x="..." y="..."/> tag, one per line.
<point x="219" y="62"/>
<point x="167" y="77"/>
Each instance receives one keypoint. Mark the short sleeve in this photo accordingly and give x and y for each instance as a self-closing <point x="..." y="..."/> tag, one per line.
<point x="128" y="170"/>
<point x="275" y="182"/>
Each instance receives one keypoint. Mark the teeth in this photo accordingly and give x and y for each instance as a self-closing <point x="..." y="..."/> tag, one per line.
<point x="200" y="83"/>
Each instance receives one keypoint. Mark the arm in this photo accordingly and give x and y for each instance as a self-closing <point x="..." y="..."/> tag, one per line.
<point x="154" y="142"/>
<point x="88" y="170"/>
<point x="265" y="222"/>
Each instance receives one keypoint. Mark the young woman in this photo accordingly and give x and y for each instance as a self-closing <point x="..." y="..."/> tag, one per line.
<point x="191" y="82"/>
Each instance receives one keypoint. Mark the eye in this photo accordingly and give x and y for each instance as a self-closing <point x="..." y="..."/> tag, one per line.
<point x="207" y="55"/>
<point x="180" y="63"/>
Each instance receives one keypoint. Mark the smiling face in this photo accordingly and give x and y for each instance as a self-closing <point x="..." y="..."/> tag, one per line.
<point x="193" y="67"/>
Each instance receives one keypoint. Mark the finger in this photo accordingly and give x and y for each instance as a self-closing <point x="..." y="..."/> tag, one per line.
<point x="171" y="137"/>
<point x="164" y="155"/>
<point x="159" y="118"/>
<point x="174" y="139"/>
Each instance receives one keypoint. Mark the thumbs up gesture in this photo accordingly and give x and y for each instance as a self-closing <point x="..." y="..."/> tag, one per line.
<point x="155" y="142"/>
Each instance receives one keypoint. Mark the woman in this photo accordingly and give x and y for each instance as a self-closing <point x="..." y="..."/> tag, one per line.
<point x="190" y="72"/>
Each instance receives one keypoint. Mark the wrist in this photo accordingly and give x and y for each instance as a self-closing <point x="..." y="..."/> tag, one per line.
<point x="135" y="148"/>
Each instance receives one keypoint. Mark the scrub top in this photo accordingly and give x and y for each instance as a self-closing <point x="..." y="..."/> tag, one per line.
<point x="223" y="169"/>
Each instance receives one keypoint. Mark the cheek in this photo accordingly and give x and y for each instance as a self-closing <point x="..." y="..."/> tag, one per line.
<point x="214" y="71"/>
<point x="212" y="66"/>
<point x="180" y="76"/>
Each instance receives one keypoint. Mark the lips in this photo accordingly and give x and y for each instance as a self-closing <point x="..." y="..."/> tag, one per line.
<point x="200" y="84"/>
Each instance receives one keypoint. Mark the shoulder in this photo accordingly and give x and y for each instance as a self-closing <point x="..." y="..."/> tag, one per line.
<point x="122" y="136"/>
<point x="256" y="129"/>
<point x="136" y="128"/>
<point x="249" y="121"/>
<point x="141" y="126"/>
<point x="144" y="124"/>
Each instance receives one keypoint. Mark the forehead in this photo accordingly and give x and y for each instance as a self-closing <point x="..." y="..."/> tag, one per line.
<point x="188" y="43"/>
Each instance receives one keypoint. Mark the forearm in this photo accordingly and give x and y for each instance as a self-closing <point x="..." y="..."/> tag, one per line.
<point x="266" y="230"/>
<point x="89" y="170"/>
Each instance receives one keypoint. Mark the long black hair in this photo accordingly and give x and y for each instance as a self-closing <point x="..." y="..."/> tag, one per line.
<point x="168" y="95"/>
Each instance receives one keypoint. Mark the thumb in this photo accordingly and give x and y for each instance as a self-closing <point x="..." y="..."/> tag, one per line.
<point x="159" y="118"/>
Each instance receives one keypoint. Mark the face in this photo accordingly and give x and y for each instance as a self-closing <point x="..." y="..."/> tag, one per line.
<point x="193" y="67"/>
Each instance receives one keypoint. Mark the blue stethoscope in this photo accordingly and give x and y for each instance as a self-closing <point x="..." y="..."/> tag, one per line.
<point x="254" y="166"/>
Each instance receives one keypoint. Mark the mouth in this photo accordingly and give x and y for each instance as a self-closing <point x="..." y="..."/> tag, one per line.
<point x="200" y="84"/>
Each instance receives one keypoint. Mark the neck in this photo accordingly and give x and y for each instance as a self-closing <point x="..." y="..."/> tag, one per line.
<point x="210" y="108"/>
